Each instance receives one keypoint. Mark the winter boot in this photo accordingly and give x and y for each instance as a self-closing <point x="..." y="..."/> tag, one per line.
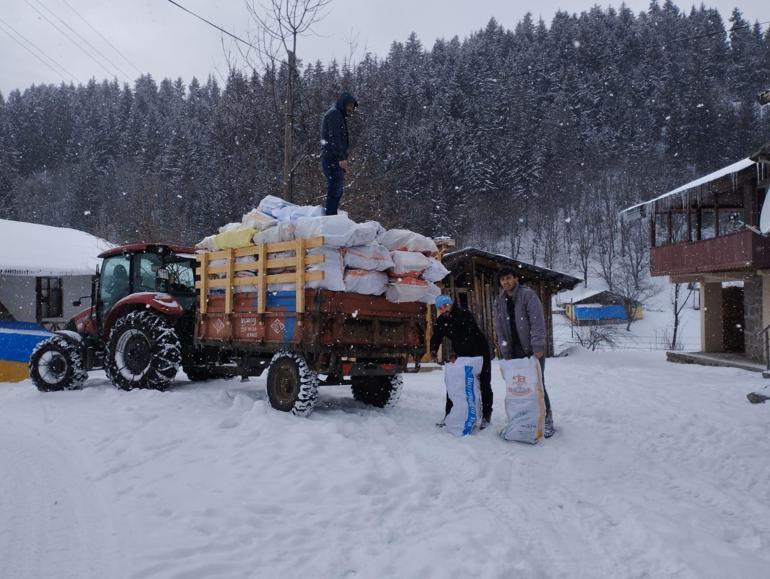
<point x="549" y="429"/>
<point x="485" y="421"/>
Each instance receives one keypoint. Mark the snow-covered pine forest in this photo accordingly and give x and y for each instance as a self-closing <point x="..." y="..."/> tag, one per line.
<point x="538" y="133"/>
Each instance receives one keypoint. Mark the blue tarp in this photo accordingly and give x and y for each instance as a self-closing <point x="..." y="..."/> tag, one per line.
<point x="611" y="312"/>
<point x="18" y="339"/>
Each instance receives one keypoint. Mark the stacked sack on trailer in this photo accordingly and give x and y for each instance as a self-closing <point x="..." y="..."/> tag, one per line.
<point x="359" y="258"/>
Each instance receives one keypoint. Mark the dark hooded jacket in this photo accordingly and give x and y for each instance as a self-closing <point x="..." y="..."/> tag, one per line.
<point x="334" y="130"/>
<point x="460" y="327"/>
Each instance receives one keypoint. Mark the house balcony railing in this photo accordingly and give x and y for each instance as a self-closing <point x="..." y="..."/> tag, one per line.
<point x="738" y="251"/>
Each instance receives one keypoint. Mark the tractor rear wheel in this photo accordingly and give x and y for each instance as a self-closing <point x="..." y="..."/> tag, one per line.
<point x="143" y="351"/>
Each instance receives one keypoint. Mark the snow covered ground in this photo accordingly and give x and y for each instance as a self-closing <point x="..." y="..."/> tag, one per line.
<point x="658" y="470"/>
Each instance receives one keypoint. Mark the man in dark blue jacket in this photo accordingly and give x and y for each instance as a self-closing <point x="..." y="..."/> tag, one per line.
<point x="334" y="148"/>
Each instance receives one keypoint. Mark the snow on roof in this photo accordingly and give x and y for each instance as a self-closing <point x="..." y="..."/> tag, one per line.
<point x="30" y="249"/>
<point x="729" y="170"/>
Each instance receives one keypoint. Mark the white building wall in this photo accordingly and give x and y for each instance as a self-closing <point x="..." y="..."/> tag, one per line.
<point x="17" y="293"/>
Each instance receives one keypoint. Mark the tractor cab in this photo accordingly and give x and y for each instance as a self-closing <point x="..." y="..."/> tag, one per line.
<point x="139" y="327"/>
<point x="142" y="268"/>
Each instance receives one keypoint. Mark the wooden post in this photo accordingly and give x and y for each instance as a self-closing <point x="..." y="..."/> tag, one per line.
<point x="229" y="278"/>
<point x="204" y="289"/>
<point x="261" y="279"/>
<point x="300" y="279"/>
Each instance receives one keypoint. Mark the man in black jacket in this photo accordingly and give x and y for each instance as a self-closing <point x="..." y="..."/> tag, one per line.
<point x="460" y="327"/>
<point x="334" y="148"/>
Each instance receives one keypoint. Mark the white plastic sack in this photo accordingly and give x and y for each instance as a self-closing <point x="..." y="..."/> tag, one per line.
<point x="435" y="270"/>
<point x="431" y="293"/>
<point x="524" y="400"/>
<point x="361" y="281"/>
<point x="365" y="233"/>
<point x="463" y="388"/>
<point x="207" y="244"/>
<point x="281" y="232"/>
<point x="230" y="226"/>
<point x="407" y="289"/>
<point x="374" y="257"/>
<point x="270" y="204"/>
<point x="405" y="240"/>
<point x="335" y="229"/>
<point x="332" y="266"/>
<point x="293" y="212"/>
<point x="409" y="262"/>
<point x="257" y="220"/>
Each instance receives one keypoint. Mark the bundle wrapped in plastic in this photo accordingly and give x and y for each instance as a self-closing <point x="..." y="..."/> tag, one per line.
<point x="373" y="257"/>
<point x="270" y="204"/>
<point x="365" y="233"/>
<point x="431" y="293"/>
<point x="332" y="267"/>
<point x="411" y="289"/>
<point x="245" y="273"/>
<point x="361" y="281"/>
<point x="435" y="270"/>
<point x="405" y="240"/>
<point x="258" y="220"/>
<point x="206" y="244"/>
<point x="276" y="234"/>
<point x="294" y="212"/>
<point x="463" y="388"/>
<point x="524" y="400"/>
<point x="335" y="229"/>
<point x="409" y="263"/>
<point x="233" y="238"/>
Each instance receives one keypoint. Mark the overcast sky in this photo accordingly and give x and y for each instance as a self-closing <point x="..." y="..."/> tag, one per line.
<point x="156" y="37"/>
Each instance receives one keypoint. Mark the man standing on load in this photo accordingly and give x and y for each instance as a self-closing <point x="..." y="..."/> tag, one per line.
<point x="520" y="328"/>
<point x="334" y="148"/>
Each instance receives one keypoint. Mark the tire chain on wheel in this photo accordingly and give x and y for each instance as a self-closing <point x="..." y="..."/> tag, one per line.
<point x="308" y="383"/>
<point x="384" y="394"/>
<point x="69" y="350"/>
<point x="166" y="355"/>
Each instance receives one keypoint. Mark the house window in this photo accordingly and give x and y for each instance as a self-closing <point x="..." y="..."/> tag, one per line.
<point x="50" y="302"/>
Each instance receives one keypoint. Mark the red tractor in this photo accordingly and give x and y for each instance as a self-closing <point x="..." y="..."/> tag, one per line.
<point x="139" y="327"/>
<point x="157" y="307"/>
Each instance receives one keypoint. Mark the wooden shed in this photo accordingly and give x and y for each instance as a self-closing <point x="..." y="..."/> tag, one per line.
<point x="472" y="283"/>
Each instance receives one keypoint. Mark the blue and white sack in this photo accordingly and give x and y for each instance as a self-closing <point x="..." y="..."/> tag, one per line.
<point x="524" y="400"/>
<point x="462" y="386"/>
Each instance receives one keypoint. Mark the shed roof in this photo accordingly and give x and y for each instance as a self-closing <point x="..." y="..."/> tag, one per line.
<point x="497" y="261"/>
<point x="31" y="249"/>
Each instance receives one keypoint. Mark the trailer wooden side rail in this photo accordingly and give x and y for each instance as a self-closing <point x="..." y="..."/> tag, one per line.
<point x="264" y="262"/>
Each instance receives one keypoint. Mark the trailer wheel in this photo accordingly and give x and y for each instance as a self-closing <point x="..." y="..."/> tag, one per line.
<point x="291" y="385"/>
<point x="197" y="373"/>
<point x="57" y="364"/>
<point x="379" y="391"/>
<point x="143" y="352"/>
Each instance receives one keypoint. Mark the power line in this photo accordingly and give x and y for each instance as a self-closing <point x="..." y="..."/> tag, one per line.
<point x="81" y="37"/>
<point x="123" y="56"/>
<point x="212" y="24"/>
<point x="41" y="51"/>
<point x="68" y="37"/>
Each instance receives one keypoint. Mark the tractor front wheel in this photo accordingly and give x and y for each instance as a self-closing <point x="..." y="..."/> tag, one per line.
<point x="57" y="364"/>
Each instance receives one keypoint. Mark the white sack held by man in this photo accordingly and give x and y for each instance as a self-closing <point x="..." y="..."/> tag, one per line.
<point x="524" y="400"/>
<point x="463" y="388"/>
